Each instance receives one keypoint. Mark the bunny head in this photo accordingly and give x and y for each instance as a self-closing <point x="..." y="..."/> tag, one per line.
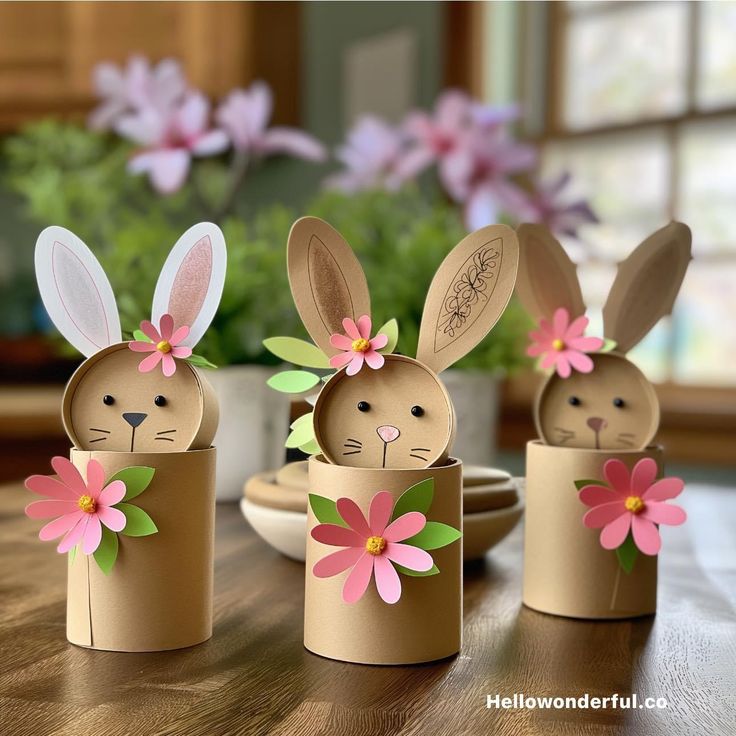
<point x="604" y="401"/>
<point x="113" y="401"/>
<point x="394" y="412"/>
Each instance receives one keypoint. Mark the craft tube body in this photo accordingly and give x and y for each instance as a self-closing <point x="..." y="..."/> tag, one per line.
<point x="158" y="594"/>
<point x="426" y="623"/>
<point x="566" y="571"/>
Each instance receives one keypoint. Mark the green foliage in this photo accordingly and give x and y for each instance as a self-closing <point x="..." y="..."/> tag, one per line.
<point x="325" y="510"/>
<point x="70" y="176"/>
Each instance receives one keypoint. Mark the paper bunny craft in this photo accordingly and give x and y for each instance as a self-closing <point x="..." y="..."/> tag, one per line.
<point x="395" y="411"/>
<point x="134" y="505"/>
<point x="111" y="403"/>
<point x="595" y="491"/>
<point x="599" y="400"/>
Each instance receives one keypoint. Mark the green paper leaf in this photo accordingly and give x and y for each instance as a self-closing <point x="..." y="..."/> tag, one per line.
<point x="299" y="352"/>
<point x="627" y="554"/>
<point x="391" y="330"/>
<point x="325" y="510"/>
<point x="293" y="382"/>
<point x="434" y="535"/>
<point x="416" y="498"/>
<point x="302" y="432"/>
<point x="139" y="523"/>
<point x="106" y="554"/>
<point x="310" y="448"/>
<point x="580" y="484"/>
<point x="434" y="570"/>
<point x="136" y="479"/>
<point x="608" y="346"/>
<point x="199" y="361"/>
<point x="141" y="336"/>
<point x="72" y="555"/>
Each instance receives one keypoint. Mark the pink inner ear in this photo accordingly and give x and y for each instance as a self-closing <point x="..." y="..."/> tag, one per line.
<point x="79" y="295"/>
<point x="191" y="283"/>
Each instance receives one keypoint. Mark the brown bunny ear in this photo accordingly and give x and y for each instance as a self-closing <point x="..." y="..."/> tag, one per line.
<point x="468" y="295"/>
<point x="646" y="285"/>
<point x="547" y="277"/>
<point x="326" y="279"/>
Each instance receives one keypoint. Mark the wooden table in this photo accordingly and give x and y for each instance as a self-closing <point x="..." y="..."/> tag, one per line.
<point x="254" y="677"/>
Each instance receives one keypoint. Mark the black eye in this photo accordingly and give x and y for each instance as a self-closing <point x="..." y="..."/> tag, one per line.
<point x="574" y="401"/>
<point x="160" y="401"/>
<point x="108" y="400"/>
<point x="618" y="402"/>
<point x="417" y="411"/>
<point x="363" y="406"/>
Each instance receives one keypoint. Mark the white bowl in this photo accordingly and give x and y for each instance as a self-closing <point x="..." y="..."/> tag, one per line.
<point x="286" y="531"/>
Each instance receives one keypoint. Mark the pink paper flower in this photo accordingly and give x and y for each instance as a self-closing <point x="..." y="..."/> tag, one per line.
<point x="548" y="206"/>
<point x="358" y="345"/>
<point x="165" y="345"/>
<point x="81" y="508"/>
<point x="134" y="87"/>
<point x="244" y="115"/>
<point x="563" y="344"/>
<point x="370" y="546"/>
<point x="170" y="137"/>
<point x="636" y="503"/>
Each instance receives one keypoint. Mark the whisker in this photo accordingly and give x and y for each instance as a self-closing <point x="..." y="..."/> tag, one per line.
<point x="356" y="452"/>
<point x="418" y="457"/>
<point x="94" y="429"/>
<point x="351" y="444"/>
<point x="420" y="449"/>
<point x="99" y="439"/>
<point x="562" y="440"/>
<point x="350" y="439"/>
<point x="168" y="439"/>
<point x="562" y="430"/>
<point x="166" y="431"/>
<point x="625" y="443"/>
<point x="626" y="434"/>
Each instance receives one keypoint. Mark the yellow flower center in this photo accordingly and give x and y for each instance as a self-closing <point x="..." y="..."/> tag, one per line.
<point x="558" y="344"/>
<point x="361" y="346"/>
<point x="375" y="545"/>
<point x="87" y="504"/>
<point x="635" y="504"/>
<point x="164" y="346"/>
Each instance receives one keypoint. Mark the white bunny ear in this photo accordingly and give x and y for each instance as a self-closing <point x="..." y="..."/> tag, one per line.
<point x="191" y="281"/>
<point x="75" y="291"/>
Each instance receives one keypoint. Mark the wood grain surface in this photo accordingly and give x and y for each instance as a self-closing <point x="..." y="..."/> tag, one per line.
<point x="254" y="676"/>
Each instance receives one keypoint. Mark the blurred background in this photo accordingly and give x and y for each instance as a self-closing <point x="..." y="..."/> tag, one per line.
<point x="404" y="125"/>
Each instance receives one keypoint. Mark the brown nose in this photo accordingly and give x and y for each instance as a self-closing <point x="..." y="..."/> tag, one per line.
<point x="597" y="423"/>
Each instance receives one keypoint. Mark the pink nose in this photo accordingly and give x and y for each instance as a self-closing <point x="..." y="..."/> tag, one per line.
<point x="388" y="433"/>
<point x="597" y="423"/>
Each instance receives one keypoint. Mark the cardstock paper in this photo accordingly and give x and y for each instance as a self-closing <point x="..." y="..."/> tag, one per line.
<point x="293" y="382"/>
<point x="158" y="595"/>
<point x="299" y="352"/>
<point x="566" y="571"/>
<point x="426" y="623"/>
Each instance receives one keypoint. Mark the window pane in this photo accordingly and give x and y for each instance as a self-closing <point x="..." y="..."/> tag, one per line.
<point x="707" y="189"/>
<point x="625" y="64"/>
<point x="705" y="332"/>
<point x="625" y="177"/>
<point x="716" y="84"/>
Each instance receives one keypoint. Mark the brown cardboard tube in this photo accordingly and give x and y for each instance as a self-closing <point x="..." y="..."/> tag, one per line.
<point x="426" y="623"/>
<point x="158" y="594"/>
<point x="566" y="571"/>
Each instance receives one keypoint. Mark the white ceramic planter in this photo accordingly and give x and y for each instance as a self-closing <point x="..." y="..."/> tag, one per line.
<point x="254" y="423"/>
<point x="475" y="397"/>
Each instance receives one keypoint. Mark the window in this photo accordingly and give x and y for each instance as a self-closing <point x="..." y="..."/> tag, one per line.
<point x="641" y="101"/>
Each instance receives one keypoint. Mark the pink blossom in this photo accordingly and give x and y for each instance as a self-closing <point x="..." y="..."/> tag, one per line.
<point x="164" y="347"/>
<point x="370" y="546"/>
<point x="636" y="503"/>
<point x="80" y="508"/>
<point x="374" y="157"/>
<point x="358" y="345"/>
<point x="136" y="86"/>
<point x="545" y="205"/>
<point x="245" y="114"/>
<point x="170" y="138"/>
<point x="455" y="117"/>
<point x="563" y="344"/>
